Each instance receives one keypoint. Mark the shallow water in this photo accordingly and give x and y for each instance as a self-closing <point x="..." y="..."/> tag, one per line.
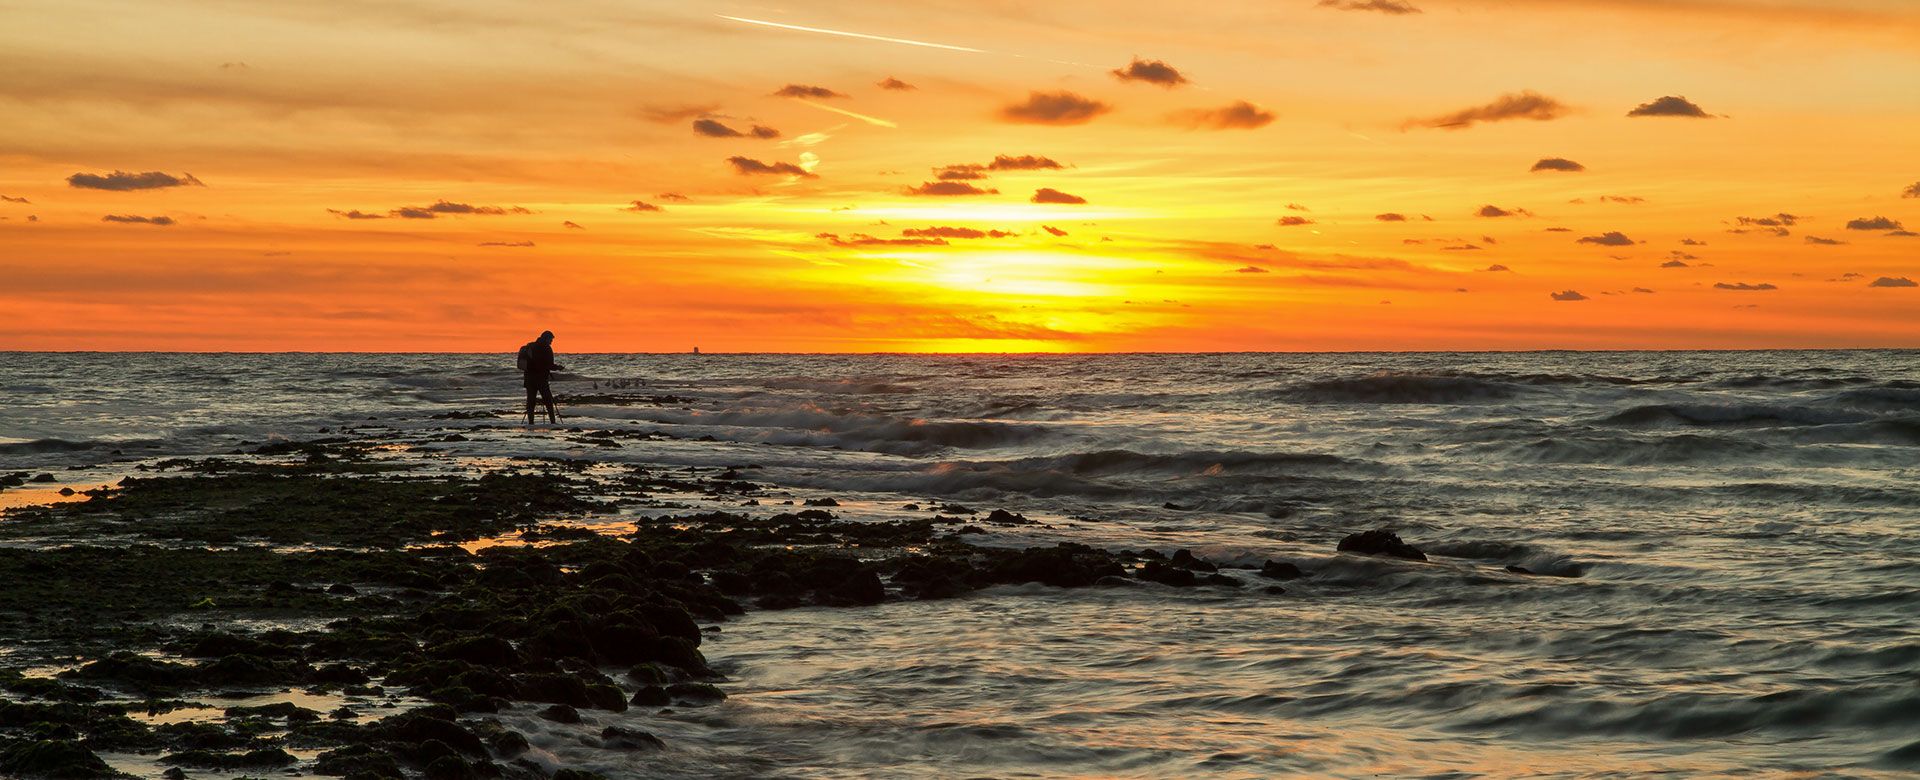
<point x="1737" y="539"/>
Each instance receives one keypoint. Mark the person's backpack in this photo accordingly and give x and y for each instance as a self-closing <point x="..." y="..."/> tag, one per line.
<point x="522" y="362"/>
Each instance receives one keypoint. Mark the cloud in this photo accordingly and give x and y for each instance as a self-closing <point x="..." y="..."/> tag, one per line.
<point x="1902" y="233"/>
<point x="806" y="91"/>
<point x="134" y="219"/>
<point x="1824" y="241"/>
<point x="1025" y="162"/>
<point x="571" y="225"/>
<point x="1390" y="217"/>
<point x="1675" y="264"/>
<point x="1643" y="290"/>
<point x="1496" y="268"/>
<point x="894" y="84"/>
<point x="1744" y="287"/>
<point x="949" y="188"/>
<point x="1522" y="105"/>
<point x="1892" y="281"/>
<point x="355" y="214"/>
<point x="1293" y="221"/>
<point x="1568" y="295"/>
<point x="1054" y="108"/>
<point x="677" y="114"/>
<point x="1491" y="210"/>
<point x="1460" y="248"/>
<point x="713" y="128"/>
<point x="11" y="199"/>
<point x="1238" y="115"/>
<point x="962" y="172"/>
<point x="673" y="196"/>
<point x="1151" y="72"/>
<point x="506" y="243"/>
<point x="1625" y="200"/>
<point x="1691" y="242"/>
<point x="447" y="207"/>
<point x="1671" y="105"/>
<point x="1389" y="7"/>
<point x="122" y="181"/>
<point x="1051" y="195"/>
<point x="1559" y="230"/>
<point x="1912" y="192"/>
<point x="642" y="206"/>
<point x="1610" y="238"/>
<point x="943" y="231"/>
<point x="1297" y="207"/>
<point x="1054" y="230"/>
<point x="747" y="166"/>
<point x="1874" y="223"/>
<point x="1782" y="219"/>
<point x="1251" y="269"/>
<point x="862" y="239"/>
<point x="1557" y="164"/>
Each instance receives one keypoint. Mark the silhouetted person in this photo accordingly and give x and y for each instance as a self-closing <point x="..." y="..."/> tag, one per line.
<point x="536" y="365"/>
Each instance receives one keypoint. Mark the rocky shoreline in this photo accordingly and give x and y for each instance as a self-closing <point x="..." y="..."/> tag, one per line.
<point x="423" y="599"/>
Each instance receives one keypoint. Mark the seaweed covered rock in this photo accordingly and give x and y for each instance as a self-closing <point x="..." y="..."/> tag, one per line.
<point x="1280" y="570"/>
<point x="1381" y="542"/>
<point x="1066" y="565"/>
<point x="52" y="758"/>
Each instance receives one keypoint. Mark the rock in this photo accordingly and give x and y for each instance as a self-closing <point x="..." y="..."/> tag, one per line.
<point x="483" y="650"/>
<point x="821" y="502"/>
<point x="427" y="724"/>
<point x="451" y="768"/>
<point x="577" y="774"/>
<point x="1066" y="565"/>
<point x="861" y="588"/>
<point x="1164" y="574"/>
<point x="1280" y="570"/>
<point x="343" y="589"/>
<point x="561" y="713"/>
<point x="620" y="738"/>
<point x="651" y="696"/>
<point x="52" y="758"/>
<point x="66" y="491"/>
<point x="1381" y="542"/>
<point x="1273" y="590"/>
<point x="205" y="759"/>
<point x="41" y="478"/>
<point x="695" y="693"/>
<point x="732" y="583"/>
<point x="1221" y="580"/>
<point x="174" y="773"/>
<point x="358" y="761"/>
<point x="1004" y="517"/>
<point x="1185" y="560"/>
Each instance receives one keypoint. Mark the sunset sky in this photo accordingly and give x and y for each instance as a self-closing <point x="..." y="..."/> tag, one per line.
<point x="959" y="176"/>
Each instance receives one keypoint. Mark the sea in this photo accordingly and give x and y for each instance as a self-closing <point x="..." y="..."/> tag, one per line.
<point x="1721" y="549"/>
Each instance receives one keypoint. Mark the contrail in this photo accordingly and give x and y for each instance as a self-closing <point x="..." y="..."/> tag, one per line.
<point x="861" y="117"/>
<point x="853" y="35"/>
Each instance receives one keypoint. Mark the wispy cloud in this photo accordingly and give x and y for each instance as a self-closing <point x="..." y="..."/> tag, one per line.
<point x="1054" y="108"/>
<point x="122" y="181"/>
<point x="1051" y="195"/>
<point x="1557" y="164"/>
<point x="1892" y="281"/>
<point x="1874" y="223"/>
<point x="845" y="34"/>
<point x="135" y="219"/>
<point x="1671" y="105"/>
<point x="747" y="166"/>
<point x="1238" y="115"/>
<point x="806" y="91"/>
<point x="1610" y="238"/>
<point x="892" y="84"/>
<point x="1568" y="295"/>
<point x="1389" y="7"/>
<point x="1151" y="72"/>
<point x="949" y="188"/>
<point x="1744" y="286"/>
<point x="1519" y="105"/>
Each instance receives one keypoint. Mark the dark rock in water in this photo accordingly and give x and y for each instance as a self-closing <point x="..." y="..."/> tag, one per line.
<point x="483" y="650"/>
<point x="821" y="502"/>
<point x="862" y="588"/>
<point x="1381" y="542"/>
<point x="1519" y="570"/>
<point x="619" y="738"/>
<point x="814" y="514"/>
<point x="358" y="761"/>
<point x="732" y="583"/>
<point x="66" y="491"/>
<point x="174" y="773"/>
<point x="1164" y="574"/>
<point x="343" y="589"/>
<point x="552" y="688"/>
<point x="41" y="478"/>
<point x="52" y="758"/>
<point x="431" y="724"/>
<point x="1185" y="560"/>
<point x="577" y="774"/>
<point x="1066" y="565"/>
<point x="205" y="759"/>
<point x="561" y="713"/>
<point x="452" y="768"/>
<point x="1004" y="517"/>
<point x="911" y="507"/>
<point x="1112" y="582"/>
<point x="1280" y="570"/>
<point x="1221" y="580"/>
<point x="1273" y="590"/>
<point x="1173" y="506"/>
<point x="955" y="509"/>
<point x="649" y="674"/>
<point x="695" y="693"/>
<point x="652" y="696"/>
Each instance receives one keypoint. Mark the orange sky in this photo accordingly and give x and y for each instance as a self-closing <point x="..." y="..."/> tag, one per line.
<point x="248" y="132"/>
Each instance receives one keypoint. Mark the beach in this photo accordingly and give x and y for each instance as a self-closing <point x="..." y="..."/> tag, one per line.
<point x="1607" y="565"/>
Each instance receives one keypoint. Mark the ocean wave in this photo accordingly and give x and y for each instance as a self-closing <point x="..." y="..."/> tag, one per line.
<point x="1399" y="388"/>
<point x="1754" y="415"/>
<point x="1693" y="716"/>
<point x="38" y="446"/>
<point x="1533" y="558"/>
<point x="816" y="426"/>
